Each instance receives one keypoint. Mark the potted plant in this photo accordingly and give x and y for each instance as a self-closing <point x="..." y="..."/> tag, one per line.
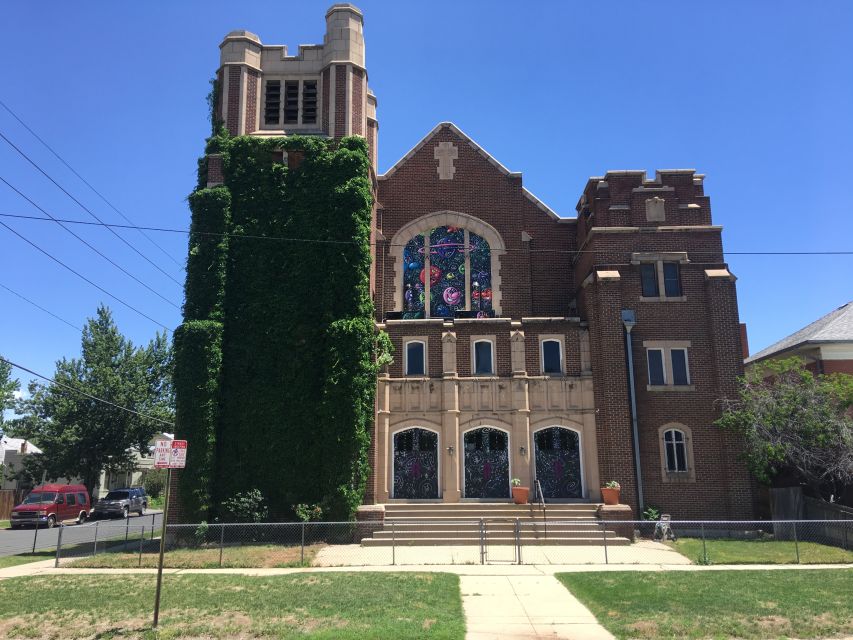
<point x="610" y="492"/>
<point x="519" y="493"/>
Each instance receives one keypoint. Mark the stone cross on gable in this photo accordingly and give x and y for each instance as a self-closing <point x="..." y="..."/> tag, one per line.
<point x="446" y="153"/>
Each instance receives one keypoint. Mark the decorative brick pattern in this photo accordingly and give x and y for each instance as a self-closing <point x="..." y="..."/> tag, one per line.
<point x="234" y="88"/>
<point x="252" y="77"/>
<point x="358" y="102"/>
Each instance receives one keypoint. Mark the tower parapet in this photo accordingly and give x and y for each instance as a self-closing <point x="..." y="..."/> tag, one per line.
<point x="322" y="90"/>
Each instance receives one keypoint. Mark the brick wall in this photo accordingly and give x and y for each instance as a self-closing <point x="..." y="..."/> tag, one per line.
<point x="234" y="87"/>
<point x="341" y="114"/>
<point x="357" y="102"/>
<point x="252" y="78"/>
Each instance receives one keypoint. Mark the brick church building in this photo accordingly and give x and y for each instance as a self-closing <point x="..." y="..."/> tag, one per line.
<point x="571" y="351"/>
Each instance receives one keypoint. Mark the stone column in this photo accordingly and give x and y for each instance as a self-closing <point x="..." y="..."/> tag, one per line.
<point x="383" y="417"/>
<point x="450" y="420"/>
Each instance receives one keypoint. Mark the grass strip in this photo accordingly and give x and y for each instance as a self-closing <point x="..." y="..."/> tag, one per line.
<point x="761" y="551"/>
<point x="266" y="556"/>
<point x="719" y="604"/>
<point x="305" y="605"/>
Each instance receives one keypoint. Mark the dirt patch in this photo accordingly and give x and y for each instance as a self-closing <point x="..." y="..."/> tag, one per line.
<point x="428" y="623"/>
<point x="644" y="628"/>
<point x="772" y="623"/>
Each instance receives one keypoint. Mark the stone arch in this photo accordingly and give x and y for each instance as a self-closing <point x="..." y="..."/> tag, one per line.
<point x="428" y="463"/>
<point x="485" y="472"/>
<point x="447" y="218"/>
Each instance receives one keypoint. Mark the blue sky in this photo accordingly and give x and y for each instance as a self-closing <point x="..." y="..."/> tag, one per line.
<point x="756" y="95"/>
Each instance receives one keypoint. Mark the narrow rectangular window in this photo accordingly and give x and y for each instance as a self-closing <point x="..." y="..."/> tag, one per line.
<point x="671" y="280"/>
<point x="483" y="357"/>
<point x="272" y="102"/>
<point x="656" y="371"/>
<point x="415" y="365"/>
<point x="291" y="101"/>
<point x="680" y="375"/>
<point x="309" y="102"/>
<point x="552" y="357"/>
<point x="649" y="278"/>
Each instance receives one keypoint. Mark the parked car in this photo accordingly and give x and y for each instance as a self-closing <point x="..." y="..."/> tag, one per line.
<point x="50" y="504"/>
<point x="121" y="503"/>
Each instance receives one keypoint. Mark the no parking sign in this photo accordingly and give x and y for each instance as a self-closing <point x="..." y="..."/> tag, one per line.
<point x="170" y="454"/>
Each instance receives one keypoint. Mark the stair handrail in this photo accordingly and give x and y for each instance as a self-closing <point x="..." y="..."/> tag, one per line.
<point x="542" y="505"/>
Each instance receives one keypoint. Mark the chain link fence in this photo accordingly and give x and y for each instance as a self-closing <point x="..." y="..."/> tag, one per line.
<point x="132" y="544"/>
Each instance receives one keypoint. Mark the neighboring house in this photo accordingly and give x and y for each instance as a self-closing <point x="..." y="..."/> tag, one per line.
<point x="826" y="345"/>
<point x="133" y="477"/>
<point x="12" y="454"/>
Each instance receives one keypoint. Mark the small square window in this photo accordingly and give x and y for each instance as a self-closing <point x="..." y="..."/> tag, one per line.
<point x="656" y="370"/>
<point x="552" y="357"/>
<point x="415" y="359"/>
<point x="483" y="361"/>
<point x="679" y="367"/>
<point x="671" y="280"/>
<point x="649" y="278"/>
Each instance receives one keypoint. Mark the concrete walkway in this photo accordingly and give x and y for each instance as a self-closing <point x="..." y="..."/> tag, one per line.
<point x="525" y="607"/>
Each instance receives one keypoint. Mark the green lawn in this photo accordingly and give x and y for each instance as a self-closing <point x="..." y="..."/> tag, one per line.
<point x="12" y="561"/>
<point x="4" y="524"/>
<point x="761" y="551"/>
<point x="719" y="604"/>
<point x="306" y="605"/>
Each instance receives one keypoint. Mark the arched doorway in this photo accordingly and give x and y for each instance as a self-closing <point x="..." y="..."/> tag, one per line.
<point x="416" y="464"/>
<point x="558" y="462"/>
<point x="486" y="463"/>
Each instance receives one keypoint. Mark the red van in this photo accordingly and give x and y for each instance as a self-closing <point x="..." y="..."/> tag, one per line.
<point x="49" y="504"/>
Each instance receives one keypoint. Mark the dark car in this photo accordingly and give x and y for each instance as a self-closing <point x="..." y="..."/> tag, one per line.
<point x="121" y="503"/>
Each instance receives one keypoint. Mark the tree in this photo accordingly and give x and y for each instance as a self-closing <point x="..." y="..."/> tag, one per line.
<point x="9" y="386"/>
<point x="80" y="436"/>
<point x="797" y="422"/>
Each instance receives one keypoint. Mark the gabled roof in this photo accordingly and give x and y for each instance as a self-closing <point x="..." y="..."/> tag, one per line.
<point x="836" y="326"/>
<point x="14" y="444"/>
<point x="449" y="125"/>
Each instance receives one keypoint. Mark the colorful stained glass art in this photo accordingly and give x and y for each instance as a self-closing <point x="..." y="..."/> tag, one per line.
<point x="447" y="254"/>
<point x="413" y="286"/>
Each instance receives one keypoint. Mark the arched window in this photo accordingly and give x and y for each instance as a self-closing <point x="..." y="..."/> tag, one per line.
<point x="675" y="451"/>
<point x="459" y="284"/>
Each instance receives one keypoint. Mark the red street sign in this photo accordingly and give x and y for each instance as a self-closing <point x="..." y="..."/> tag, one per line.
<point x="170" y="454"/>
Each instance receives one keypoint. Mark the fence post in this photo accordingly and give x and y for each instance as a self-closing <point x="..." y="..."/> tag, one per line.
<point x="95" y="547"/>
<point x="604" y="535"/>
<point x="141" y="540"/>
<point x="844" y="527"/>
<point x="35" y="536"/>
<point x="704" y="547"/>
<point x="221" y="543"/>
<point x="59" y="546"/>
<point x="126" y="528"/>
<point x="393" y="543"/>
<point x="153" y="516"/>
<point x="482" y="542"/>
<point x="302" y="554"/>
<point x="796" y="542"/>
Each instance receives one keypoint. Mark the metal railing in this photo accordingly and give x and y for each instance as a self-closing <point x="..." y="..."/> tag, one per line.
<point x="457" y="541"/>
<point x="542" y="505"/>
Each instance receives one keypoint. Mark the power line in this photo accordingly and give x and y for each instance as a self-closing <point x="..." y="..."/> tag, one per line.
<point x="86" y="209"/>
<point x="38" y="306"/>
<point x="82" y="277"/>
<point x="88" y="395"/>
<point x="93" y="248"/>
<point x="86" y="182"/>
<point x="240" y="236"/>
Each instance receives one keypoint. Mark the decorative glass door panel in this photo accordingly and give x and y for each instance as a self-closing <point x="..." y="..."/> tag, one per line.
<point x="558" y="463"/>
<point x="486" y="463"/>
<point x="416" y="464"/>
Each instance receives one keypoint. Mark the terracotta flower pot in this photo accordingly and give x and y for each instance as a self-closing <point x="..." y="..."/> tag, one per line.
<point x="610" y="496"/>
<point x="520" y="494"/>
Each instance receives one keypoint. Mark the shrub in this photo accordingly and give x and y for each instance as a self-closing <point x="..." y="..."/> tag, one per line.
<point x="154" y="482"/>
<point x="246" y="506"/>
<point x="308" y="512"/>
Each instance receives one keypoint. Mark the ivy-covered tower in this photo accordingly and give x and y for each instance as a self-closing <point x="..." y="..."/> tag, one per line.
<point x="276" y="351"/>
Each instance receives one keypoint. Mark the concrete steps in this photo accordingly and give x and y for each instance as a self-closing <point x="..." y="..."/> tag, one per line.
<point x="413" y="524"/>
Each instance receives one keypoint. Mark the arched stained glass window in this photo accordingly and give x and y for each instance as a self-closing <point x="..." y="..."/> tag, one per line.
<point x="459" y="264"/>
